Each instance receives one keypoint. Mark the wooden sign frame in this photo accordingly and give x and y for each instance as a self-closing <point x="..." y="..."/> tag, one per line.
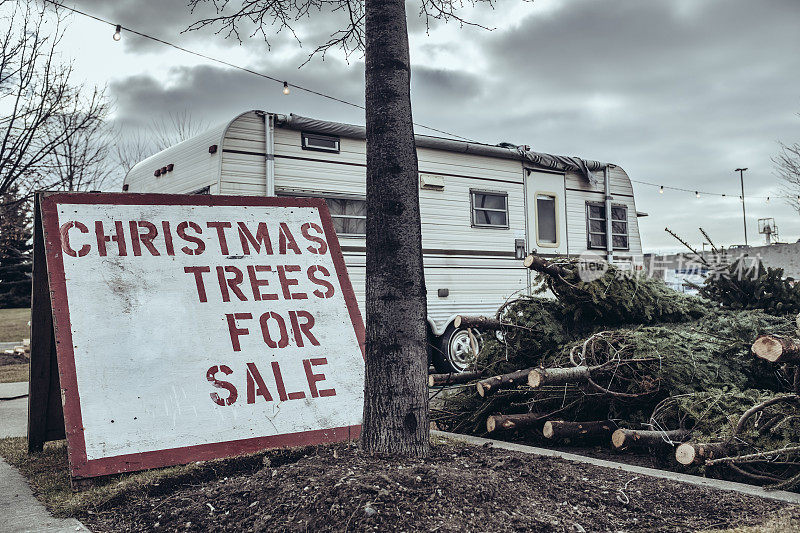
<point x="53" y="378"/>
<point x="45" y="412"/>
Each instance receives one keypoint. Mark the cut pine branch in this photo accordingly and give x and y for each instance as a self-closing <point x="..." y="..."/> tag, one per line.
<point x="539" y="377"/>
<point x="755" y="457"/>
<point x="509" y="422"/>
<point x="777" y="349"/>
<point x="624" y="439"/>
<point x="692" y="453"/>
<point x="505" y="381"/>
<point x="561" y="429"/>
<point x="539" y="264"/>
<point x="439" y="380"/>
<point x="483" y="323"/>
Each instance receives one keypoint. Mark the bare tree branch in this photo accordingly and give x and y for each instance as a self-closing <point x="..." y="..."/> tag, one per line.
<point x="133" y="148"/>
<point x="82" y="162"/>
<point x="176" y="127"/>
<point x="787" y="167"/>
<point x="268" y="18"/>
<point x="43" y="109"/>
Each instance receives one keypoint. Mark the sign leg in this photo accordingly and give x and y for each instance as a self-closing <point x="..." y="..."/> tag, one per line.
<point x="45" y="418"/>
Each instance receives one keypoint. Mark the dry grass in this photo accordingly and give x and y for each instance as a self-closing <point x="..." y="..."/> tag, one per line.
<point x="787" y="521"/>
<point x="14" y="325"/>
<point x="48" y="475"/>
<point x="13" y="373"/>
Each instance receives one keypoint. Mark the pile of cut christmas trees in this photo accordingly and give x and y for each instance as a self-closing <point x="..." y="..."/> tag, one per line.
<point x="621" y="359"/>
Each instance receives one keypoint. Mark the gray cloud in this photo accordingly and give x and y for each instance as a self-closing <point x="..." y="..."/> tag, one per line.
<point x="215" y="94"/>
<point x="171" y="20"/>
<point x="676" y="93"/>
<point x="674" y="99"/>
<point x="439" y="84"/>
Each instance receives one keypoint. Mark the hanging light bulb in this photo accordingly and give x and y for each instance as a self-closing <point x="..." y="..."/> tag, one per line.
<point x="767" y="199"/>
<point x="661" y="190"/>
<point x="118" y="33"/>
<point x="286" y="88"/>
<point x="697" y="194"/>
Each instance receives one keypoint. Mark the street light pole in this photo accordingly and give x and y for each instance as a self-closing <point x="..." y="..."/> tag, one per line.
<point x="744" y="214"/>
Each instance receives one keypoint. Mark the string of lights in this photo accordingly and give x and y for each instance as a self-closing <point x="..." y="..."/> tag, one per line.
<point x="698" y="194"/>
<point x="287" y="87"/>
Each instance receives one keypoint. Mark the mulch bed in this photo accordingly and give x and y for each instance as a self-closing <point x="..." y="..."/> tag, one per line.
<point x="459" y="488"/>
<point x="13" y="359"/>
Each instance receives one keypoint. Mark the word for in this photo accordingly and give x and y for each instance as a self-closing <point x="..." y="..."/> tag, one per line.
<point x="301" y="323"/>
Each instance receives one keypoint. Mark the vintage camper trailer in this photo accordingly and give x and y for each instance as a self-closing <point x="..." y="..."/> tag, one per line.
<point x="483" y="207"/>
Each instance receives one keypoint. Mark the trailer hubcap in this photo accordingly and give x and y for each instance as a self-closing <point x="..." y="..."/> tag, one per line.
<point x="460" y="353"/>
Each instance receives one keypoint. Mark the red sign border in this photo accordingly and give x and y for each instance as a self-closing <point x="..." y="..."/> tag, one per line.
<point x="80" y="466"/>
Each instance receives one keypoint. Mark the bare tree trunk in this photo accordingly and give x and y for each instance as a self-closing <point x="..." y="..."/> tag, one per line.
<point x="396" y="395"/>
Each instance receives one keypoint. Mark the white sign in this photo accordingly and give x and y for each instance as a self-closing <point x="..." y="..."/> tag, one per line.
<point x="193" y="327"/>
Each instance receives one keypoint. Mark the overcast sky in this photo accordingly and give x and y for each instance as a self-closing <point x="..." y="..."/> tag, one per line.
<point x="677" y="92"/>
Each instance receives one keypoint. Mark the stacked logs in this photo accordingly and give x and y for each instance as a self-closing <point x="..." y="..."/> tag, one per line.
<point x="736" y="452"/>
<point x="750" y="451"/>
<point x="594" y="390"/>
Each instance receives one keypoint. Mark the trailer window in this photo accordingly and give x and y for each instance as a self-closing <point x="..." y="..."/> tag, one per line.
<point x="596" y="226"/>
<point x="323" y="143"/>
<point x="546" y="224"/>
<point x="349" y="216"/>
<point x="489" y="209"/>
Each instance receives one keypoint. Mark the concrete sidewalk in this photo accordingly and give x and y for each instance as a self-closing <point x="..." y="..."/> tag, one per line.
<point x="20" y="511"/>
<point x="13" y="413"/>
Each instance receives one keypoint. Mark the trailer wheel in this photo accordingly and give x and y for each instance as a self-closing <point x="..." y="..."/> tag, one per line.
<point x="454" y="352"/>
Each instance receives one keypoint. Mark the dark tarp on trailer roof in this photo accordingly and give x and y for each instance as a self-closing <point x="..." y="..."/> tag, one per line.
<point x="548" y="161"/>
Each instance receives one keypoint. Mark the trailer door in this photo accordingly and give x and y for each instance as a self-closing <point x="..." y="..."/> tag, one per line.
<point x="546" y="212"/>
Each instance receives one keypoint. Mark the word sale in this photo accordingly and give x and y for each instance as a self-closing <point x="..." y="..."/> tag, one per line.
<point x="256" y="386"/>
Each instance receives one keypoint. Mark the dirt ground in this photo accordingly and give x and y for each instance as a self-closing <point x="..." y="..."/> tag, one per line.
<point x="13" y="367"/>
<point x="14" y="328"/>
<point x="14" y="325"/>
<point x="13" y="373"/>
<point x="460" y="488"/>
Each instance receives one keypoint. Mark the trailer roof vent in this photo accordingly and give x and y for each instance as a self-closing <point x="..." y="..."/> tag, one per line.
<point x="320" y="143"/>
<point x="431" y="182"/>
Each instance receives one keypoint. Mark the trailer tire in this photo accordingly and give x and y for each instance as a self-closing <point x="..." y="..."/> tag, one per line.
<point x="453" y="352"/>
